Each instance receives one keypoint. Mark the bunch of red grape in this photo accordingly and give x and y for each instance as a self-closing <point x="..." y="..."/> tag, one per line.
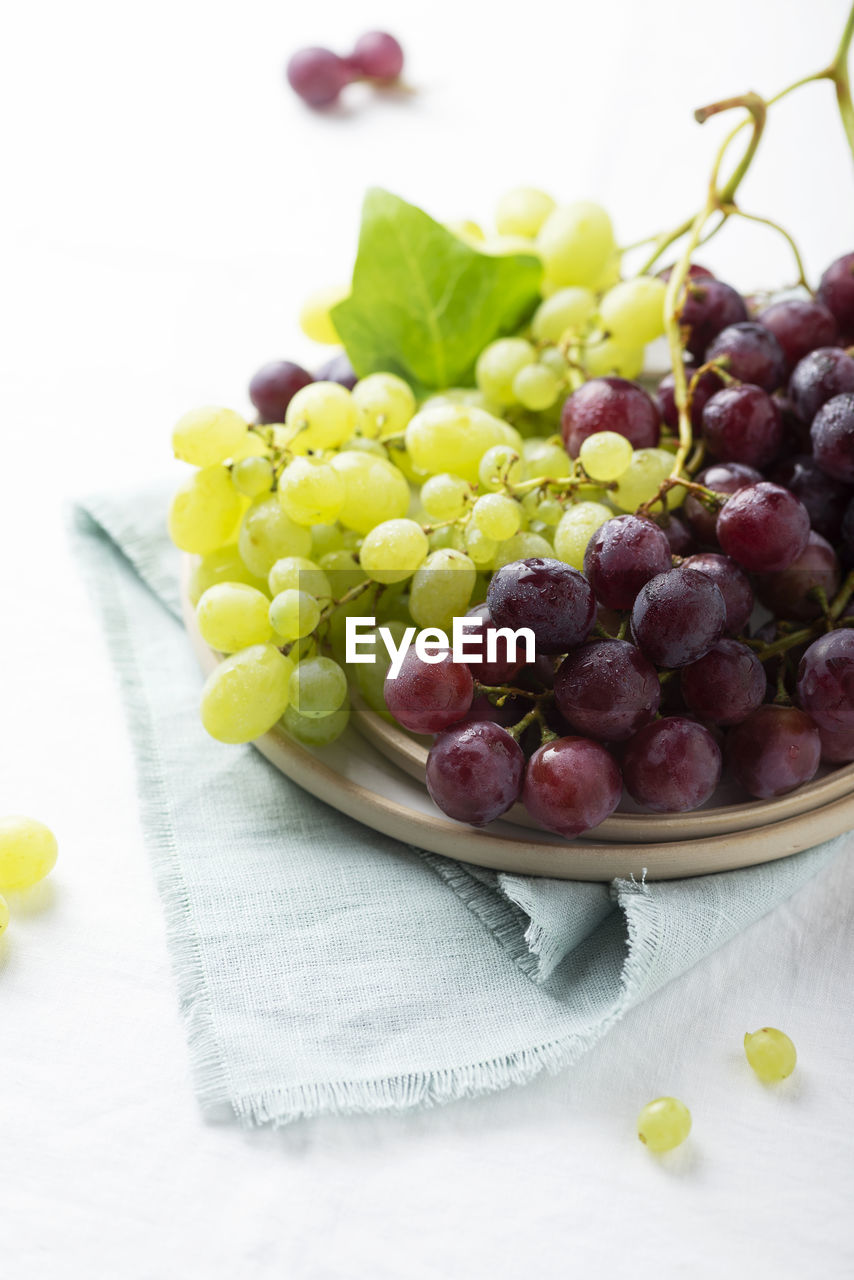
<point x="318" y="75"/>
<point x="648" y="673"/>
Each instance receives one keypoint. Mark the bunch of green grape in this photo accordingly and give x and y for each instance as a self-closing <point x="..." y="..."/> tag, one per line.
<point x="364" y="501"/>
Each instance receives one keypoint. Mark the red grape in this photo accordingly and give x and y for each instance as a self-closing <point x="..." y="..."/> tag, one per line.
<point x="609" y="404"/>
<point x="750" y="353"/>
<point x="773" y="751"/>
<point x="743" y="424"/>
<point x="832" y="435"/>
<point x="677" y="617"/>
<point x="318" y="76"/>
<point x="338" y="369"/>
<point x="677" y="534"/>
<point x="571" y="785"/>
<point x="789" y="592"/>
<point x="819" y="377"/>
<point x="274" y="386"/>
<point x="826" y="681"/>
<point x="622" y="555"/>
<point x="707" y="384"/>
<point x="428" y="697"/>
<point x="708" y="307"/>
<point x="377" y="55"/>
<point x="733" y="584"/>
<point x="836" y="291"/>
<point x="607" y="689"/>
<point x="500" y="671"/>
<point x="799" y="325"/>
<point x="837" y="745"/>
<point x="824" y="498"/>
<point x="763" y="527"/>
<point x="548" y="596"/>
<point x="474" y="772"/>
<point x="726" y="477"/>
<point x="672" y="765"/>
<point x="725" y="685"/>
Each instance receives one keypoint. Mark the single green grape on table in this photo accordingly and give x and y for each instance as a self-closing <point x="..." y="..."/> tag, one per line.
<point x="28" y="852"/>
<point x="663" y="1124"/>
<point x="770" y="1053"/>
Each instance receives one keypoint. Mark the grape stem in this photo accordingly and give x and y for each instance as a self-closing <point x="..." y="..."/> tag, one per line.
<point x="710" y="498"/>
<point x="832" y="618"/>
<point x="534" y="716"/>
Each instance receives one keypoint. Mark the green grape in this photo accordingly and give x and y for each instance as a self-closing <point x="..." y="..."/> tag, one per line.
<point x="566" y="311"/>
<point x="664" y="1124"/>
<point x="205" y="437"/>
<point x="545" y="458"/>
<point x="577" y="526"/>
<point x="770" y="1052"/>
<point x="232" y="616"/>
<point x="319" y="731"/>
<point x="478" y="547"/>
<point x="605" y="455"/>
<point x="536" y="387"/>
<point x="325" y="537"/>
<point x="393" y="550"/>
<point x="386" y="403"/>
<point x="301" y="574"/>
<point x="554" y="359"/>
<point x="497" y="516"/>
<point x="246" y="694"/>
<point x="455" y="437"/>
<point x="445" y="496"/>
<point x="28" y="852"/>
<point x="468" y="397"/>
<point x="322" y="415"/>
<point x="374" y="490"/>
<point x="205" y="511"/>
<point x="4" y="914"/>
<point x="370" y="676"/>
<point x="293" y="614"/>
<point x="610" y="273"/>
<point x="222" y="565"/>
<point x="498" y="246"/>
<point x="343" y="571"/>
<point x="311" y="492"/>
<point x="450" y="535"/>
<point x="576" y="241"/>
<point x="268" y="533"/>
<point x="314" y="317"/>
<point x="498" y="364"/>
<point x="522" y="546"/>
<point x="467" y="231"/>
<point x="252" y="476"/>
<point x="400" y="459"/>
<point x="642" y="479"/>
<point x="366" y="445"/>
<point x="522" y="211"/>
<point x="499" y="466"/>
<point x="317" y="688"/>
<point x="610" y="356"/>
<point x="549" y="511"/>
<point x="633" y="310"/>
<point x="441" y="588"/>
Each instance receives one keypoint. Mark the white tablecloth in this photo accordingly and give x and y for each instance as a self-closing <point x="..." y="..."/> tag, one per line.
<point x="168" y="205"/>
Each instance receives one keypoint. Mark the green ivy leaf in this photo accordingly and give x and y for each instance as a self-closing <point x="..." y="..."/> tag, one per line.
<point x="424" y="304"/>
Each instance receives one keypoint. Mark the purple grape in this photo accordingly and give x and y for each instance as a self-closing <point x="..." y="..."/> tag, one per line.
<point x="338" y="369"/>
<point x="726" y="477"/>
<point x="824" y="498"/>
<point x="377" y="55"/>
<point x="836" y="291"/>
<point x="695" y="272"/>
<point x="819" y="377"/>
<point x="799" y="326"/>
<point x="491" y="673"/>
<point x="826" y="681"/>
<point x="610" y="404"/>
<point x="708" y="307"/>
<point x="789" y="593"/>
<point x="837" y="745"/>
<point x="707" y="384"/>
<point x="274" y="386"/>
<point x="750" y="353"/>
<point x="607" y="689"/>
<point x="763" y="527"/>
<point x="428" y="697"/>
<point x="733" y="584"/>
<point x="571" y="785"/>
<point x="548" y="596"/>
<point x="622" y="555"/>
<point x="672" y="765"/>
<point x="832" y="435"/>
<point x="678" y="535"/>
<point x="725" y="685"/>
<point x="773" y="751"/>
<point x="318" y="76"/>
<point x="677" y="617"/>
<point x="743" y="424"/>
<point x="474" y="772"/>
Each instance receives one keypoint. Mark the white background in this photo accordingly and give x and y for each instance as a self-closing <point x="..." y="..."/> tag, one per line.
<point x="166" y="205"/>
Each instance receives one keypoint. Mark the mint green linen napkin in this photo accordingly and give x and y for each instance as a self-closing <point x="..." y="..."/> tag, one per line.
<point x="322" y="967"/>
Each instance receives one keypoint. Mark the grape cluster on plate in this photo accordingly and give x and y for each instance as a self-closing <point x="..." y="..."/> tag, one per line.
<point x="688" y="612"/>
